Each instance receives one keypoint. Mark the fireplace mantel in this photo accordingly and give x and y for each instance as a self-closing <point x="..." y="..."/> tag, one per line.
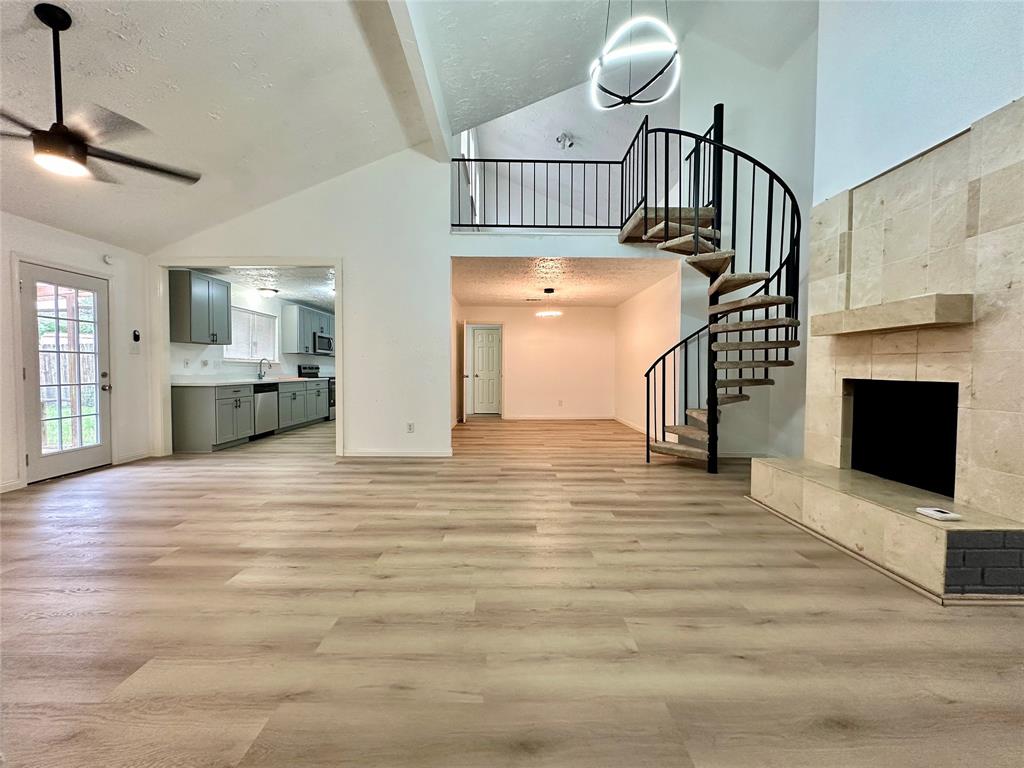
<point x="929" y="311"/>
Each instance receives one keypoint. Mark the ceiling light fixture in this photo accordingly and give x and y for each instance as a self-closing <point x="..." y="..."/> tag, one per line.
<point x="267" y="293"/>
<point x="549" y="313"/>
<point x="665" y="45"/>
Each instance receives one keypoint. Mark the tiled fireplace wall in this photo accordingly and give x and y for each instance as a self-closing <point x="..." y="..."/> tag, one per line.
<point x="948" y="221"/>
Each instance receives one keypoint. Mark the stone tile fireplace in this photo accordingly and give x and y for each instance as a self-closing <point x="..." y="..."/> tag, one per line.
<point x="917" y="278"/>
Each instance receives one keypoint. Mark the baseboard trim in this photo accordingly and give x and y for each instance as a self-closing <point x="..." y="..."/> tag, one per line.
<point x="129" y="459"/>
<point x="12" y="485"/>
<point x="631" y="425"/>
<point x="558" y="418"/>
<point x="357" y="453"/>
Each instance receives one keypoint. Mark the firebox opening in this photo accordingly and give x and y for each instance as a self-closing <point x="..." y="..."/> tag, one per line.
<point x="905" y="431"/>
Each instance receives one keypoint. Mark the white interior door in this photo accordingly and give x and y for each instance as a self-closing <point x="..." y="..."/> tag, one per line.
<point x="67" y="382"/>
<point x="486" y="370"/>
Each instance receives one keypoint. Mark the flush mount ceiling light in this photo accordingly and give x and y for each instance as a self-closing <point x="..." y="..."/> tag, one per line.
<point x="656" y="54"/>
<point x="267" y="293"/>
<point x="549" y="313"/>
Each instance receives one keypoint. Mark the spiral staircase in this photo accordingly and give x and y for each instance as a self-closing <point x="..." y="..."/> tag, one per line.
<point x="737" y="223"/>
<point x="733" y="218"/>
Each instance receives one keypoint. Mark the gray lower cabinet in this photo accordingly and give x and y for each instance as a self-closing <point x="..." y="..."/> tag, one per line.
<point x="317" y="403"/>
<point x="204" y="419"/>
<point x="291" y="408"/>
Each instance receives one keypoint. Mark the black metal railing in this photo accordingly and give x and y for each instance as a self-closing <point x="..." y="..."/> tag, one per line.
<point x="537" y="194"/>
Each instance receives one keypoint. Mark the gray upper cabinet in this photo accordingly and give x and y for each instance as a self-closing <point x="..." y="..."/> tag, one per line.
<point x="298" y="324"/>
<point x="200" y="308"/>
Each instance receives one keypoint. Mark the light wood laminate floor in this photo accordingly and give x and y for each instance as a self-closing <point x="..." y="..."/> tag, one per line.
<point x="542" y="599"/>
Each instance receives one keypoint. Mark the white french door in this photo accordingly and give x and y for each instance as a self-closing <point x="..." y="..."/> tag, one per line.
<point x="67" y="363"/>
<point x="486" y="370"/>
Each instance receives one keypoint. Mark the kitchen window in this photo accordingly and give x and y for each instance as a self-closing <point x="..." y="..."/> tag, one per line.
<point x="253" y="336"/>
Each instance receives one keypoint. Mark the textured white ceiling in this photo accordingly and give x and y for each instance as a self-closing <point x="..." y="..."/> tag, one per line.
<point x="498" y="56"/>
<point x="581" y="282"/>
<point x="530" y="132"/>
<point x="311" y="286"/>
<point x="264" y="98"/>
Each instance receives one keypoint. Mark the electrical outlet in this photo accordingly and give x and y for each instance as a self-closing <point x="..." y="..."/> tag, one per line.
<point x="559" y="403"/>
<point x="187" y="362"/>
<point x="410" y="427"/>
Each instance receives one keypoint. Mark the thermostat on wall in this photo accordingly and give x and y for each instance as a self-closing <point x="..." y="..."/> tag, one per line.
<point x="937" y="513"/>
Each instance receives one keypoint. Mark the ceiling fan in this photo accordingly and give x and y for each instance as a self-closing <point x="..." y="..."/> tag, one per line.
<point x="66" y="150"/>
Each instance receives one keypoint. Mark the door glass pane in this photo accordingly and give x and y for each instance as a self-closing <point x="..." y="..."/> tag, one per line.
<point x="68" y="368"/>
<point x="48" y="371"/>
<point x="70" y="401"/>
<point x="87" y="337"/>
<point x="67" y="302"/>
<point x="47" y="333"/>
<point x="89" y="399"/>
<point x="87" y="368"/>
<point x="90" y="430"/>
<point x="51" y="436"/>
<point x="46" y="299"/>
<point x="49" y="406"/>
<point x="67" y="335"/>
<point x="86" y="305"/>
<point x="70" y="434"/>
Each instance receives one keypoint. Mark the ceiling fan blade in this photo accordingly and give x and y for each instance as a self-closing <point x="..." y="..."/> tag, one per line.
<point x="100" y="125"/>
<point x="9" y="135"/>
<point x="99" y="173"/>
<point x="17" y="121"/>
<point x="178" y="174"/>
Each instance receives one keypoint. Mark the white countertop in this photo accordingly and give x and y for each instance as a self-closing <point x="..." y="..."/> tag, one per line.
<point x="222" y="381"/>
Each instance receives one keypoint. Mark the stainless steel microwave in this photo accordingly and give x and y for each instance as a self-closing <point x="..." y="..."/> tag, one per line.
<point x="323" y="345"/>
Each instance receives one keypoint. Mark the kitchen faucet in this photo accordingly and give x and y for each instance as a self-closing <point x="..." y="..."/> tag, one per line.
<point x="260" y="373"/>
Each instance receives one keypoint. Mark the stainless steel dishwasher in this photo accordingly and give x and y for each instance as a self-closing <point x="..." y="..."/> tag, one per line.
<point x="265" y="400"/>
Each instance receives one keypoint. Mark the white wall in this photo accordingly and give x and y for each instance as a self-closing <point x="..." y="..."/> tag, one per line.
<point x="22" y="239"/>
<point x="554" y="368"/>
<point x="645" y="326"/>
<point x="455" y="362"/>
<point x="186" y="360"/>
<point x="895" y="78"/>
<point x="769" y="113"/>
<point x="385" y="229"/>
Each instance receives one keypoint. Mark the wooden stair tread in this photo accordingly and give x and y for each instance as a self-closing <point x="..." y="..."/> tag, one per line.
<point x="760" y="301"/>
<point x="724" y="365"/>
<point x="754" y="325"/>
<point x="675" y="229"/>
<point x="732" y="346"/>
<point x="730" y="399"/>
<point x="676" y="449"/>
<point x="728" y="282"/>
<point x="711" y="264"/>
<point x="687" y="244"/>
<point x="688" y="432"/>
<point x="701" y="414"/>
<point x="633" y="229"/>
<point x="730" y="383"/>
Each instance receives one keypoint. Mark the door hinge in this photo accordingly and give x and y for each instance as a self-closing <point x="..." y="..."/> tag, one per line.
<point x="26" y="459"/>
<point x="24" y="376"/>
<point x="21" y="286"/>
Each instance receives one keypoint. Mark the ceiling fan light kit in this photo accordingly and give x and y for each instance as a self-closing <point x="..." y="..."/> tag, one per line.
<point x="615" y="51"/>
<point x="66" y="151"/>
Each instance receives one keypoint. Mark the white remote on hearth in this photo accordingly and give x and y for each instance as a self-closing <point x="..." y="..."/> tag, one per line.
<point x="936" y="513"/>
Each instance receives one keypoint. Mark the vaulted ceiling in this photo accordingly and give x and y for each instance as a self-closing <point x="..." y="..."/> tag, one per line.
<point x="264" y="98"/>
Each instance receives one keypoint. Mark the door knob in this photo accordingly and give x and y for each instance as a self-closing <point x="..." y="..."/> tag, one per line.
<point x="106" y="387"/>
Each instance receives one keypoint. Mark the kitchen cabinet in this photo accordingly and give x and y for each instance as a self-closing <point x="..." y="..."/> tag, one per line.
<point x="317" y="403"/>
<point x="291" y="404"/>
<point x="200" y="308"/>
<point x="298" y="324"/>
<point x="205" y="419"/>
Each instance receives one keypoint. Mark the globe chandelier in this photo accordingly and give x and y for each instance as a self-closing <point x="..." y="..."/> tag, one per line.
<point x="656" y="56"/>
